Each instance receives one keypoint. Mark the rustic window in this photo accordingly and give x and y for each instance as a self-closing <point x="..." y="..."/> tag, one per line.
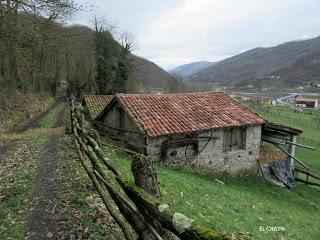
<point x="234" y="139"/>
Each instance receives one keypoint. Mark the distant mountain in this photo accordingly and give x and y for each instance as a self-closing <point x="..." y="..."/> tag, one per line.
<point x="190" y="68"/>
<point x="146" y="75"/>
<point x="287" y="65"/>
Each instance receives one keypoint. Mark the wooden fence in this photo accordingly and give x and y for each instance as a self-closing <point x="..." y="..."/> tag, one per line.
<point x="136" y="207"/>
<point x="308" y="175"/>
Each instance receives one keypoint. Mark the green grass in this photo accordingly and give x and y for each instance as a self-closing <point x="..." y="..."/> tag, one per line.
<point x="18" y="176"/>
<point x="308" y="120"/>
<point x="82" y="207"/>
<point x="241" y="204"/>
<point x="82" y="199"/>
<point x="17" y="179"/>
<point x="50" y="119"/>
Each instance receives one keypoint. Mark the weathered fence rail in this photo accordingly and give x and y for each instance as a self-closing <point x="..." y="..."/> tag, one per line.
<point x="136" y="207"/>
<point x="308" y="175"/>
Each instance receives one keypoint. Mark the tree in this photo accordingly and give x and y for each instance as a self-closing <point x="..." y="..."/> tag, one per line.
<point x="29" y="43"/>
<point x="112" y="61"/>
<point x="79" y="56"/>
<point x="176" y="85"/>
<point x="123" y="65"/>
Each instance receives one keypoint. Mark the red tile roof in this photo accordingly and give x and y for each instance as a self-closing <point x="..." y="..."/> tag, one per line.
<point x="164" y="114"/>
<point x="96" y="103"/>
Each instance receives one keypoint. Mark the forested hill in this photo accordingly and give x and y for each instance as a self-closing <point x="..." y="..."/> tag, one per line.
<point x="141" y="74"/>
<point x="190" y="68"/>
<point x="290" y="64"/>
<point x="37" y="51"/>
<point x="147" y="75"/>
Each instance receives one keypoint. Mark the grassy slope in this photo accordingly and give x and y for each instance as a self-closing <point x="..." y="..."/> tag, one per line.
<point x="17" y="107"/>
<point x="241" y="204"/>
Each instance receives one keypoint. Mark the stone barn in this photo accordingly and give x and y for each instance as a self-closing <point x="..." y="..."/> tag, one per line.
<point x="207" y="132"/>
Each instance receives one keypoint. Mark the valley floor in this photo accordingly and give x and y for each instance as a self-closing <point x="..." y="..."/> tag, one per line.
<point x="46" y="194"/>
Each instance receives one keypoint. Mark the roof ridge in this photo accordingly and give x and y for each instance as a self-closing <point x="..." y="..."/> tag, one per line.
<point x="95" y="95"/>
<point x="168" y="94"/>
<point x="151" y="114"/>
<point x="244" y="106"/>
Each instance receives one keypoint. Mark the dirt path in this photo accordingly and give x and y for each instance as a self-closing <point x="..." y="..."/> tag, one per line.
<point x="33" y="123"/>
<point x="7" y="144"/>
<point x="46" y="220"/>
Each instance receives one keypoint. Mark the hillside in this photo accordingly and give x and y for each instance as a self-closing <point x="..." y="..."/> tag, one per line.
<point x="190" y="68"/>
<point x="146" y="75"/>
<point x="290" y="64"/>
<point x="143" y="74"/>
<point x="18" y="108"/>
<point x="75" y="53"/>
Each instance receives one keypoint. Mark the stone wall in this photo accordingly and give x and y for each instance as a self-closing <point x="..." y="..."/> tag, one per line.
<point x="213" y="158"/>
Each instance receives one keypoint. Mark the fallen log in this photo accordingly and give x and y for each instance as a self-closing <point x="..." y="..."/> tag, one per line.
<point x="134" y="216"/>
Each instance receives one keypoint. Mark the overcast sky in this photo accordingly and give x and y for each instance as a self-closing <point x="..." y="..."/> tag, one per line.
<point x="175" y="32"/>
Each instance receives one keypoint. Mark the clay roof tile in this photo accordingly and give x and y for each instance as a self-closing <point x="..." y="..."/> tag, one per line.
<point x="164" y="114"/>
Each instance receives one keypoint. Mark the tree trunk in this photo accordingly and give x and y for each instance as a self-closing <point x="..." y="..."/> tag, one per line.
<point x="144" y="175"/>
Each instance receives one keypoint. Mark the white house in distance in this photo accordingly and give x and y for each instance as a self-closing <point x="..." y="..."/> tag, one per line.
<point x="307" y="102"/>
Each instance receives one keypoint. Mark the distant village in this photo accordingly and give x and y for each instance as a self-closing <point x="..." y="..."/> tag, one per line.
<point x="296" y="101"/>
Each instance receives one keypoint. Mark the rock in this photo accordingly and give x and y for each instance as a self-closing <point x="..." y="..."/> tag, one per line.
<point x="181" y="222"/>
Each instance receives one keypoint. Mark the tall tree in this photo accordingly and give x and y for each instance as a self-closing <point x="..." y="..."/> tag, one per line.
<point x="112" y="61"/>
<point x="79" y="55"/>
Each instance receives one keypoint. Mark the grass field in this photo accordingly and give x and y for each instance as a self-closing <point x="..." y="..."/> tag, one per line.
<point x="246" y="204"/>
<point x="241" y="204"/>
